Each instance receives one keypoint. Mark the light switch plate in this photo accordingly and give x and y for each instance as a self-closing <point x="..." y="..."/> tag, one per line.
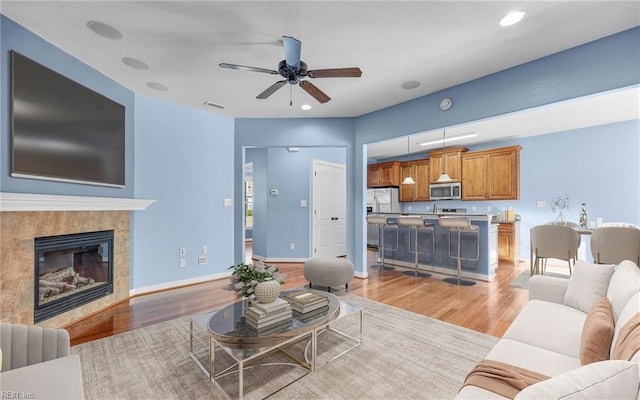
<point x="541" y="204"/>
<point x="227" y="202"/>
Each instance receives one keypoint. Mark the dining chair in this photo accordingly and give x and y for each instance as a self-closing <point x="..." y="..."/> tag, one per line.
<point x="614" y="244"/>
<point x="553" y="241"/>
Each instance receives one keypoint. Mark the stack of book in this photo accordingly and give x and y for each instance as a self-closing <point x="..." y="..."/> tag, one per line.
<point x="307" y="303"/>
<point x="267" y="316"/>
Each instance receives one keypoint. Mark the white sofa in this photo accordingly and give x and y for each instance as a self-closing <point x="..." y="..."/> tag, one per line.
<point x="546" y="336"/>
<point x="36" y="364"/>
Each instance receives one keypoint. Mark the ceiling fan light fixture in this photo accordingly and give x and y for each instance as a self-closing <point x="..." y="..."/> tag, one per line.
<point x="512" y="18"/>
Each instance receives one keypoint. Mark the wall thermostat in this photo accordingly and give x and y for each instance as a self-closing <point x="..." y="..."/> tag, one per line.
<point x="446" y="104"/>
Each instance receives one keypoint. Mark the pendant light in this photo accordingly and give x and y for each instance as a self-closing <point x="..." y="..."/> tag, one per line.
<point x="444" y="177"/>
<point x="408" y="180"/>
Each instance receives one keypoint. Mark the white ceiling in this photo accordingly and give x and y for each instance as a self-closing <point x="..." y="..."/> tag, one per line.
<point x="437" y="43"/>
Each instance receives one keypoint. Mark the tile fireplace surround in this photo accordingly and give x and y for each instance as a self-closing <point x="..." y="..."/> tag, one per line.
<point x="24" y="217"/>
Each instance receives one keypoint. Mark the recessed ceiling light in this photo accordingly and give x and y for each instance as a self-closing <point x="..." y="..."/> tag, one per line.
<point x="212" y="104"/>
<point x="134" y="63"/>
<point x="305" y="107"/>
<point x="512" y="18"/>
<point x="104" y="30"/>
<point x="410" y="85"/>
<point x="157" y="86"/>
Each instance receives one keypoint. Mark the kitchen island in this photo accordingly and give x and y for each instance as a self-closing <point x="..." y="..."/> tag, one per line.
<point x="399" y="246"/>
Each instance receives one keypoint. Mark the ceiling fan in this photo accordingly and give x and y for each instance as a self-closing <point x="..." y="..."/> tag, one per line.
<point x="294" y="71"/>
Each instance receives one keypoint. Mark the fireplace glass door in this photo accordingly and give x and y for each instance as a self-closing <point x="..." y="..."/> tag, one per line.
<point x="71" y="270"/>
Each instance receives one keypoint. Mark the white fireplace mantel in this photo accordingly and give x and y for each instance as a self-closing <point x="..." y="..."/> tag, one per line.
<point x="49" y="202"/>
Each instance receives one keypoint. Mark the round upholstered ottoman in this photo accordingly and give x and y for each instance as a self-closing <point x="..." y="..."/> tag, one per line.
<point x="328" y="271"/>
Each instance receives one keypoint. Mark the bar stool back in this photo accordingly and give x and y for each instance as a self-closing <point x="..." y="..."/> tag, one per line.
<point x="382" y="221"/>
<point x="416" y="223"/>
<point x="458" y="225"/>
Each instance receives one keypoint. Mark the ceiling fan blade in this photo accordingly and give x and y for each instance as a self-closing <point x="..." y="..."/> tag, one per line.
<point x="246" y="68"/>
<point x="314" y="91"/>
<point x="354" y="72"/>
<point x="292" y="49"/>
<point x="271" y="90"/>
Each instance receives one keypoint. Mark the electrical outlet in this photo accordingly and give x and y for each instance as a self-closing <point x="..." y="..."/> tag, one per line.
<point x="183" y="263"/>
<point x="541" y="204"/>
<point x="204" y="249"/>
<point x="182" y="251"/>
<point x="292" y="246"/>
<point x="202" y="260"/>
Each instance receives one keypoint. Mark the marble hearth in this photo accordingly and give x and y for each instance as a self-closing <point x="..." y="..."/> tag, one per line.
<point x="25" y="217"/>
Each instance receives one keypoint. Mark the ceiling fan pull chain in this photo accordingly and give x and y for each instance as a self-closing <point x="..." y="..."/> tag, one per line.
<point x="290" y="95"/>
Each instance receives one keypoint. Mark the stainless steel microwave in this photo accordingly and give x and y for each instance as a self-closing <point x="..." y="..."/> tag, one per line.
<point x="445" y="191"/>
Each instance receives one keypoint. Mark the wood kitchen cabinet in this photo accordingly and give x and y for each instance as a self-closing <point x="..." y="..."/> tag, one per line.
<point x="419" y="171"/>
<point x="448" y="160"/>
<point x="509" y="242"/>
<point x="383" y="174"/>
<point x="491" y="174"/>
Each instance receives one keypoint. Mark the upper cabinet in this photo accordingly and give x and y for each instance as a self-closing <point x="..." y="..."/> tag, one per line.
<point x="419" y="171"/>
<point x="383" y="174"/>
<point x="446" y="160"/>
<point x="491" y="174"/>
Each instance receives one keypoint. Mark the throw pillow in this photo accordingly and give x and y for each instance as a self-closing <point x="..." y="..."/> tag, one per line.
<point x="611" y="379"/>
<point x="624" y="283"/>
<point x="588" y="283"/>
<point x="628" y="343"/>
<point x="597" y="333"/>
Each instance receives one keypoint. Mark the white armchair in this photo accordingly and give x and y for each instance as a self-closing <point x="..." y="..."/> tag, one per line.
<point x="36" y="362"/>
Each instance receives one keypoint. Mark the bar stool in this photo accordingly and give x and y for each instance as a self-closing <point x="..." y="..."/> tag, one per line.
<point x="459" y="225"/>
<point x="418" y="223"/>
<point x="383" y="221"/>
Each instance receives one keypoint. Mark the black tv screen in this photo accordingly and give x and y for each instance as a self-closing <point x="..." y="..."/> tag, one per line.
<point x="64" y="131"/>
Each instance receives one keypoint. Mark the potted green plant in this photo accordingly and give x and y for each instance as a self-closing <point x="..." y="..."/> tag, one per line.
<point x="559" y="204"/>
<point x="245" y="278"/>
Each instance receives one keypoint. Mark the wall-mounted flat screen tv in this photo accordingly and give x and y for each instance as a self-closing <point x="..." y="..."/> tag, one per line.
<point x="64" y="131"/>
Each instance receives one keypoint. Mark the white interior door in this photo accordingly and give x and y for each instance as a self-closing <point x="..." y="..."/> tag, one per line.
<point x="329" y="209"/>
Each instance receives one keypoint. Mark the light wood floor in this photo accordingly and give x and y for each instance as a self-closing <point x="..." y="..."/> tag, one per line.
<point x="485" y="307"/>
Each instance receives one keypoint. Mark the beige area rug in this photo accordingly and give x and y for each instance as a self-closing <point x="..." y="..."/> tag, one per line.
<point x="403" y="356"/>
<point x="522" y="280"/>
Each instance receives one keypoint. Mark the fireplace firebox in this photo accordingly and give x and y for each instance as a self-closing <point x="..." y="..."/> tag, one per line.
<point x="71" y="270"/>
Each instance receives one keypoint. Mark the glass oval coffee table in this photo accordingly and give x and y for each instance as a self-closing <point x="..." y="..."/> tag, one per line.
<point x="227" y="331"/>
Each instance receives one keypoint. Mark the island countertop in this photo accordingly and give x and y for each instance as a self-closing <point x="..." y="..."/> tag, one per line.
<point x="479" y="248"/>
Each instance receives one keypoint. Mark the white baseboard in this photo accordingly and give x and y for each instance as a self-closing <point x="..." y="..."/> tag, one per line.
<point x="283" y="260"/>
<point x="176" y="284"/>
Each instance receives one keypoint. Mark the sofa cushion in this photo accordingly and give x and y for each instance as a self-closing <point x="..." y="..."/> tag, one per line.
<point x="550" y="326"/>
<point x="610" y="379"/>
<point x="597" y="333"/>
<point x="532" y="358"/>
<point x="588" y="283"/>
<point x="624" y="283"/>
<point x="629" y="311"/>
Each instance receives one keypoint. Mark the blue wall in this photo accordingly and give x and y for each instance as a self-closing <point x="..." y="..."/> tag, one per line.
<point x="272" y="132"/>
<point x="180" y="157"/>
<point x="15" y="37"/>
<point x="279" y="220"/>
<point x="591" y="165"/>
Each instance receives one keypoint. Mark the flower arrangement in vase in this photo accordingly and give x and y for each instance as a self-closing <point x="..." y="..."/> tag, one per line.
<point x="559" y="204"/>
<point x="245" y="278"/>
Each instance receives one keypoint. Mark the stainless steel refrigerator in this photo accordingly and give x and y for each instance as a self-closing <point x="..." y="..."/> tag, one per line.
<point x="381" y="201"/>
